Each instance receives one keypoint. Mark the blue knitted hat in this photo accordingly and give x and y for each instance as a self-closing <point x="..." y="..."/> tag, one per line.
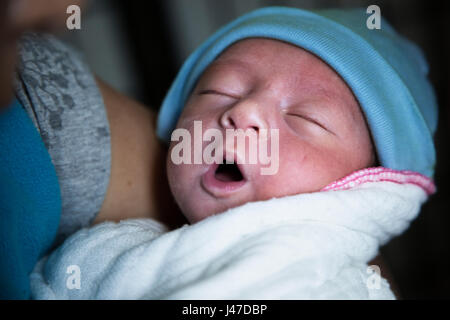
<point x="386" y="72"/>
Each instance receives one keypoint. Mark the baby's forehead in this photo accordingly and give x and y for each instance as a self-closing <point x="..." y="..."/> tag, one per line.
<point x="275" y="57"/>
<point x="258" y="49"/>
<point x="258" y="46"/>
<point x="283" y="66"/>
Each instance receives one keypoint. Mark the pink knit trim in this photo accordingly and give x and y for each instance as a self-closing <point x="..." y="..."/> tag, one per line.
<point x="382" y="174"/>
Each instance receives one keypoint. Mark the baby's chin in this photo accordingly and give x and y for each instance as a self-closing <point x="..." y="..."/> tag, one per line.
<point x="196" y="213"/>
<point x="197" y="208"/>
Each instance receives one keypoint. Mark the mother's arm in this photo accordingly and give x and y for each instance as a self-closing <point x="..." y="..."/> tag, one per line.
<point x="138" y="185"/>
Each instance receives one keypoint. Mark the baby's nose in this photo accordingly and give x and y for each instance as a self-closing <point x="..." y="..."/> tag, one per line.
<point x="244" y="115"/>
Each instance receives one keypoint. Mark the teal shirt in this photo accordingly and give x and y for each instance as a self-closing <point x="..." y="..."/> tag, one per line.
<point x="30" y="201"/>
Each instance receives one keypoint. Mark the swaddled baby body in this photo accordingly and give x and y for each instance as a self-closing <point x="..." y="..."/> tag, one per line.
<point x="270" y="70"/>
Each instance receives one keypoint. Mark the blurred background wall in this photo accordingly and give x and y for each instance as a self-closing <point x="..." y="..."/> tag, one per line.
<point x="138" y="46"/>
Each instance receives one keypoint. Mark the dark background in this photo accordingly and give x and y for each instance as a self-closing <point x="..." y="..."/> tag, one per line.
<point x="138" y="46"/>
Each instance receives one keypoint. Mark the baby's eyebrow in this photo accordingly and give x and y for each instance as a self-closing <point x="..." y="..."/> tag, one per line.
<point x="234" y="63"/>
<point x="215" y="70"/>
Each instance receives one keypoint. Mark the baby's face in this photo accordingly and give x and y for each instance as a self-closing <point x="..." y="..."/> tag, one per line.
<point x="268" y="84"/>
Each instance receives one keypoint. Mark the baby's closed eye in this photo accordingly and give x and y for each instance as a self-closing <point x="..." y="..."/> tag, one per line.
<point x="218" y="93"/>
<point x="297" y="120"/>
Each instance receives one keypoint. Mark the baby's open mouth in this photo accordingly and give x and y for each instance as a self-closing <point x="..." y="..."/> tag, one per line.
<point x="228" y="172"/>
<point x="222" y="180"/>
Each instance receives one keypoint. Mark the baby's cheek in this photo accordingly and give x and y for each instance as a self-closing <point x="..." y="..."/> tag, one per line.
<point x="299" y="172"/>
<point x="287" y="181"/>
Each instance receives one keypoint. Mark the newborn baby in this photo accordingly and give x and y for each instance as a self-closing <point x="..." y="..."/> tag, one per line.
<point x="305" y="232"/>
<point x="268" y="84"/>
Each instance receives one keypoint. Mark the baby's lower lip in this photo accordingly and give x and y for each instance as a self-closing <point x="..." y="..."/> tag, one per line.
<point x="217" y="187"/>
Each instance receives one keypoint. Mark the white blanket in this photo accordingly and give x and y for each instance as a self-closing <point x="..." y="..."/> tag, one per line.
<point x="308" y="246"/>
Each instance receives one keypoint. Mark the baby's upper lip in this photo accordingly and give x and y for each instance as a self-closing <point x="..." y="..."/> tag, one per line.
<point x="234" y="157"/>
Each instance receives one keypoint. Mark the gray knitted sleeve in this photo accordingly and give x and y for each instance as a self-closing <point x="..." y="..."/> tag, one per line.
<point x="60" y="95"/>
